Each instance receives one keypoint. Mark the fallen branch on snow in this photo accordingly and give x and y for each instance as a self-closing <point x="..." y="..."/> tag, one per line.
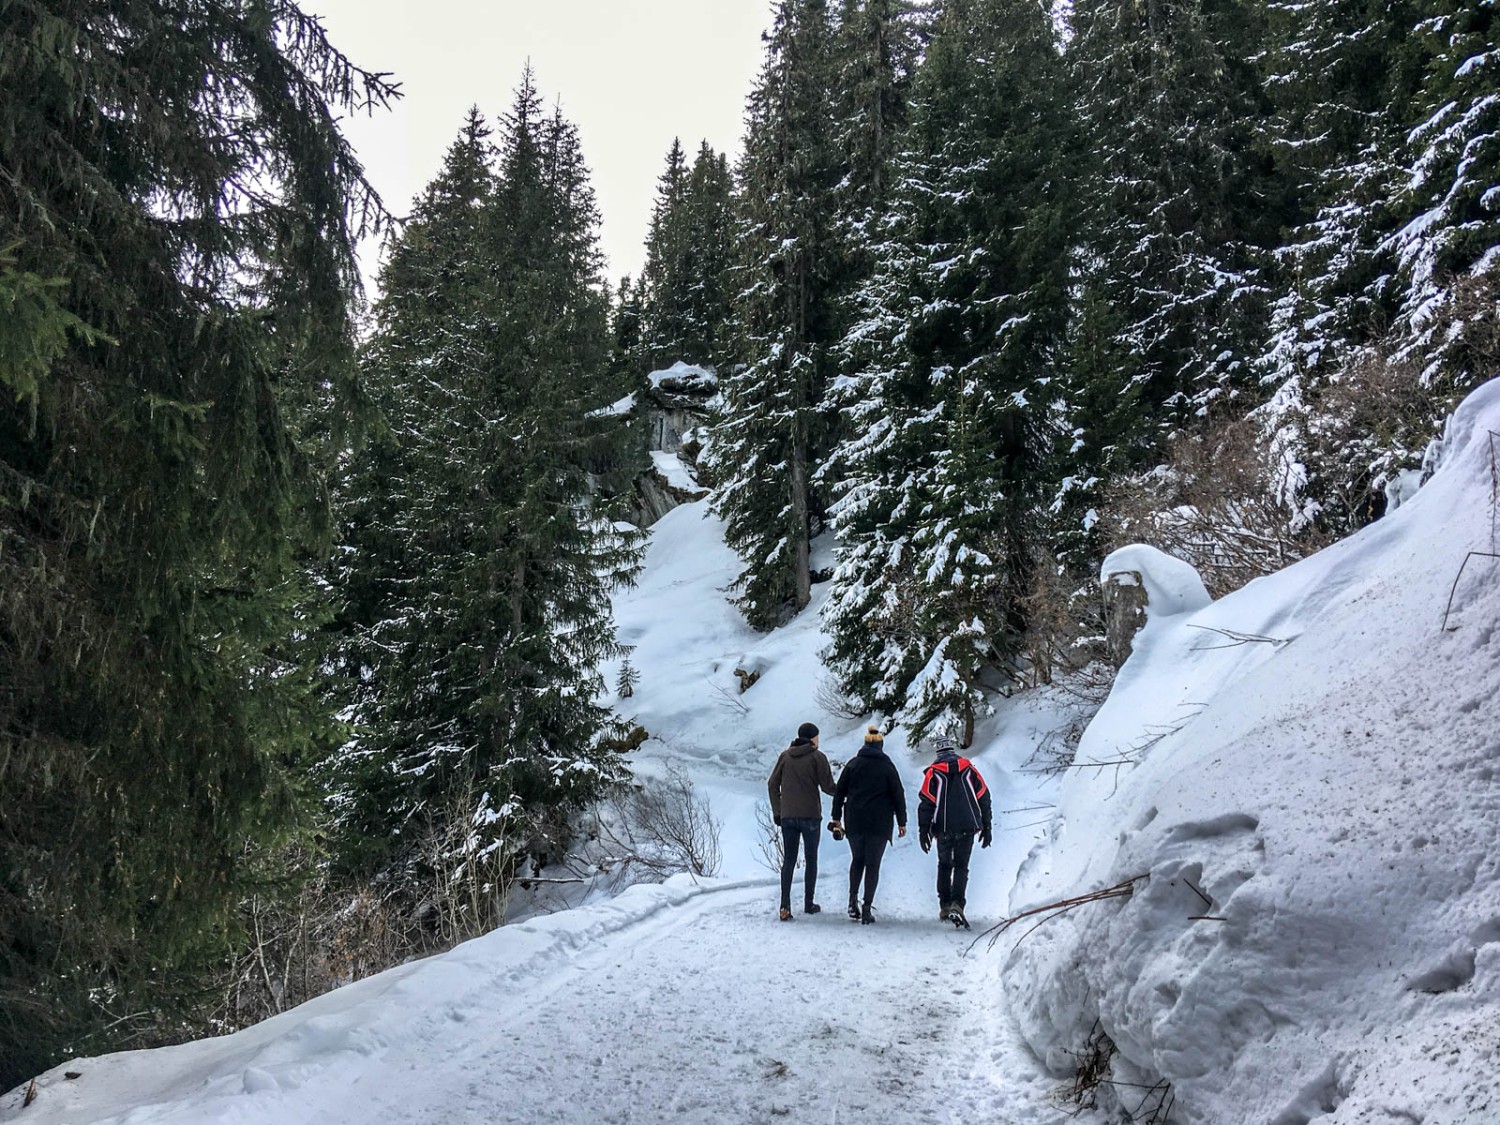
<point x="1054" y="909"/>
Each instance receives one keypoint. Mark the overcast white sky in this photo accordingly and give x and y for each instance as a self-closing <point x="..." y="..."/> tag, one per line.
<point x="631" y="74"/>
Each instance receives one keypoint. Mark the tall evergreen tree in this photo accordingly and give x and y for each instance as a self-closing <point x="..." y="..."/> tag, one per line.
<point x="1384" y="285"/>
<point x="1177" y="218"/>
<point x="786" y="313"/>
<point x="951" y="376"/>
<point x="480" y="669"/>
<point x="179" y="208"/>
<point x="876" y="50"/>
<point x="1449" y="246"/>
<point x="683" y="287"/>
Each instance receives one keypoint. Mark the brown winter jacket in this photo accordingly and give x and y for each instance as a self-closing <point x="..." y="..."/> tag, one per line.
<point x="795" y="780"/>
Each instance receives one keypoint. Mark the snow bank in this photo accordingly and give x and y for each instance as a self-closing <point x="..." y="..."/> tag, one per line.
<point x="406" y="1011"/>
<point x="1307" y="773"/>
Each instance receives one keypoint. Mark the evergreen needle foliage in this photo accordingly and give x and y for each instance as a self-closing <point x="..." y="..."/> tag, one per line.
<point x="178" y="210"/>
<point x="480" y="559"/>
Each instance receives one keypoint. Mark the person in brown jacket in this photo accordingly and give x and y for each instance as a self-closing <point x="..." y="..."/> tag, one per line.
<point x="797" y="809"/>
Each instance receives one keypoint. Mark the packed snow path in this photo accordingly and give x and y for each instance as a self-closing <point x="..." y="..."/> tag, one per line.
<point x="680" y="1003"/>
<point x="712" y="1012"/>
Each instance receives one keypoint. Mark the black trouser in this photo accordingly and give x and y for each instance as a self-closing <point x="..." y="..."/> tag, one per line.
<point x="953" y="866"/>
<point x="865" y="853"/>
<point x="793" y="830"/>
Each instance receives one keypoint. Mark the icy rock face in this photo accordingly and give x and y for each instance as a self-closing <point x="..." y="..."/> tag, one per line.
<point x="1302" y="780"/>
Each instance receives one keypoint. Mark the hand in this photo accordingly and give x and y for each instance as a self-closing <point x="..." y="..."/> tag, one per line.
<point x="926" y="841"/>
<point x="985" y="838"/>
<point x="776" y="820"/>
<point x="901" y="831"/>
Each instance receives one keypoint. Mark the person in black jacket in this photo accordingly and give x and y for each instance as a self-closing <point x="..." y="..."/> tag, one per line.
<point x="952" y="807"/>
<point x="866" y="799"/>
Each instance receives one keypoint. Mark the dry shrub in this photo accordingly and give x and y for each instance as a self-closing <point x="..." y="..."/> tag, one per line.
<point x="303" y="946"/>
<point x="660" y="828"/>
<point x="329" y="932"/>
<point x="1064" y="623"/>
<point x="1218" y="504"/>
<point x="1374" y="419"/>
<point x="831" y="697"/>
<point x="1092" y="1071"/>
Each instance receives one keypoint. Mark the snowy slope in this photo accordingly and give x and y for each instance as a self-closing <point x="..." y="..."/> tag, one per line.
<point x="1334" y="789"/>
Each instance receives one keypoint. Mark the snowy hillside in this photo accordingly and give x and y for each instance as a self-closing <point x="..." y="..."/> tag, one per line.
<point x="1320" y="759"/>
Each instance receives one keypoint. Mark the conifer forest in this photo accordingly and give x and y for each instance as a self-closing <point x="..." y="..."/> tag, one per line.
<point x="304" y="597"/>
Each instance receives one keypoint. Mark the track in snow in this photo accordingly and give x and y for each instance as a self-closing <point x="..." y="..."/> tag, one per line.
<point x="715" y="1012"/>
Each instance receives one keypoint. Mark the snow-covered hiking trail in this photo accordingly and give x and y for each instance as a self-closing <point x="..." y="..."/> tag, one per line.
<point x="682" y="1003"/>
<point x="706" y="1013"/>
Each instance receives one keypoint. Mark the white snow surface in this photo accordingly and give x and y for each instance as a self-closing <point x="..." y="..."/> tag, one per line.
<point x="676" y="473"/>
<point x="1315" y="753"/>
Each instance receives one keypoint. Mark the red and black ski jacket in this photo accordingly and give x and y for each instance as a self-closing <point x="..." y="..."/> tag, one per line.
<point x="954" y="798"/>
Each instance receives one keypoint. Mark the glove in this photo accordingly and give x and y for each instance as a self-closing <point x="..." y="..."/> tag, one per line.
<point x="776" y="820"/>
<point x="986" y="837"/>
<point x="926" y="841"/>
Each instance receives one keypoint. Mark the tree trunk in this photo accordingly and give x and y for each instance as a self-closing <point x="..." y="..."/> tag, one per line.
<point x="1124" y="613"/>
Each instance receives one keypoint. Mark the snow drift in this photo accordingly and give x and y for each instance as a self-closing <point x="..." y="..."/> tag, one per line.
<point x="1307" y="773"/>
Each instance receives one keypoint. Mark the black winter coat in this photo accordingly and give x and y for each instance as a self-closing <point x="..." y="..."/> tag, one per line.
<point x="953" y="799"/>
<point x="868" y="795"/>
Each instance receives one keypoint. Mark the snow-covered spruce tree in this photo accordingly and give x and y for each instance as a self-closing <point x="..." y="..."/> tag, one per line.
<point x="877" y="47"/>
<point x="950" y="377"/>
<point x="785" y="317"/>
<point x="1449" y="246"/>
<point x="480" y="670"/>
<point x="663" y="325"/>
<point x="685" y="305"/>
<point x="1177" y="215"/>
<point x="1344" y="77"/>
<point x="178" y="211"/>
<point x="1385" y="315"/>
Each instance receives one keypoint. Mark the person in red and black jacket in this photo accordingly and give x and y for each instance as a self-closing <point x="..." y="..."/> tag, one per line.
<point x="953" y="806"/>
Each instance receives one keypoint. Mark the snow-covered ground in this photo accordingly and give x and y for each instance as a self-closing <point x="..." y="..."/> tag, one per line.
<point x="1310" y="781"/>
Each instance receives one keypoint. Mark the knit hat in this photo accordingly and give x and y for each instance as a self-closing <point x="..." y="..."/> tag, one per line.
<point x="943" y="742"/>
<point x="807" y="730"/>
<point x="873" y="736"/>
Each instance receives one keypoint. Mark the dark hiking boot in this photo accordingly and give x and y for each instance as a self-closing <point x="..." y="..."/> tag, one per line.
<point x="867" y="915"/>
<point x="854" y="910"/>
<point x="956" y="916"/>
<point x="811" y="908"/>
<point x="786" y="914"/>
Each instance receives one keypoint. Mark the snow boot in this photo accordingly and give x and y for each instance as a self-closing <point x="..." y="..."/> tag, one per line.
<point x="944" y="909"/>
<point x="853" y="911"/>
<point x="866" y="916"/>
<point x="956" y="916"/>
<point x="786" y="914"/>
<point x="811" y="908"/>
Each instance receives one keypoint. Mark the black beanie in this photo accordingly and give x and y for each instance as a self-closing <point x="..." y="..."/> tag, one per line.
<point x="807" y="730"/>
